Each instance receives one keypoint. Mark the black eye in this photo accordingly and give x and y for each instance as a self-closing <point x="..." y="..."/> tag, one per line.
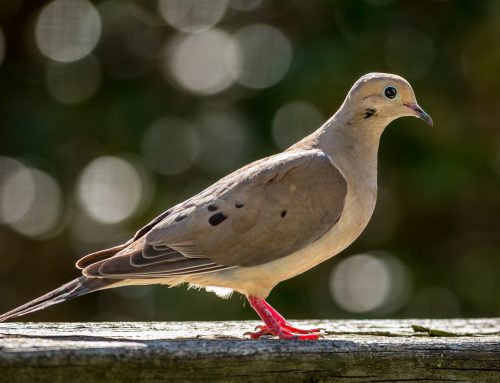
<point x="390" y="92"/>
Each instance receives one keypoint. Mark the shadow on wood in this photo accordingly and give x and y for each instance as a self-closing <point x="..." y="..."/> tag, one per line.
<point x="351" y="351"/>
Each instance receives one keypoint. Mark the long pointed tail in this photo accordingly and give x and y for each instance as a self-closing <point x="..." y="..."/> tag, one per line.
<point x="73" y="289"/>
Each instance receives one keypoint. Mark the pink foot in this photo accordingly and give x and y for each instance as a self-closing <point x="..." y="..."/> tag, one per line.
<point x="283" y="322"/>
<point x="283" y="334"/>
<point x="276" y="325"/>
<point x="291" y="328"/>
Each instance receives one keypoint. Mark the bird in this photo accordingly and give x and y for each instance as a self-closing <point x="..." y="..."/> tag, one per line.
<point x="266" y="222"/>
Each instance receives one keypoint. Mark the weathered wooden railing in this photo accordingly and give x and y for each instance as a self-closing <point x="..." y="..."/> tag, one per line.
<point x="456" y="350"/>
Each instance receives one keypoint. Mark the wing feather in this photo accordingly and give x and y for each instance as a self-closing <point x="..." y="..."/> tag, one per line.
<point x="262" y="212"/>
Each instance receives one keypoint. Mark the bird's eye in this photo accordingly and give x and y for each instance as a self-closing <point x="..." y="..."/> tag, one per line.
<point x="390" y="92"/>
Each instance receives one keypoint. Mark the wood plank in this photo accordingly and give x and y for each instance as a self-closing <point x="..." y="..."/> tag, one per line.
<point x="463" y="350"/>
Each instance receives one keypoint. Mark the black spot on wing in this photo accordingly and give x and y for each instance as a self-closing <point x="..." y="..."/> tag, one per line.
<point x="283" y="213"/>
<point x="212" y="207"/>
<point x="217" y="218"/>
<point x="238" y="205"/>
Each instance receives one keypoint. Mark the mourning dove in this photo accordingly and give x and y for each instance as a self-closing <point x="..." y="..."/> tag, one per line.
<point x="266" y="222"/>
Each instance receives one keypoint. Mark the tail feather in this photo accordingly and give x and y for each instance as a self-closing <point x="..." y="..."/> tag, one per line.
<point x="77" y="287"/>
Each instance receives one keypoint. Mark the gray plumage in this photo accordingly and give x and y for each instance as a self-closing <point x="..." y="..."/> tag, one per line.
<point x="268" y="221"/>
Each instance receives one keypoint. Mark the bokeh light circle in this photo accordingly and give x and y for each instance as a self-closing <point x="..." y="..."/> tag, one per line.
<point x="110" y="189"/>
<point x="67" y="30"/>
<point x="31" y="201"/>
<point x="17" y="190"/>
<point x="370" y="282"/>
<point x="192" y="15"/>
<point x="266" y="56"/>
<point x="45" y="210"/>
<point x="200" y="62"/>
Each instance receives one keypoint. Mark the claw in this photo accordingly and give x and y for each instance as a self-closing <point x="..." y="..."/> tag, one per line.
<point x="276" y="325"/>
<point x="255" y="335"/>
<point x="262" y="330"/>
<point x="287" y="332"/>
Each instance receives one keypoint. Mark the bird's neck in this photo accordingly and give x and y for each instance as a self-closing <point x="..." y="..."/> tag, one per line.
<point x="352" y="140"/>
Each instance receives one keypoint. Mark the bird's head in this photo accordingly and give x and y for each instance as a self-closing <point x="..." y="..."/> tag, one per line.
<point x="383" y="96"/>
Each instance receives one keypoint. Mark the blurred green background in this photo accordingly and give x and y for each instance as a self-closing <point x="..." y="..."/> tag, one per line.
<point x="112" y="111"/>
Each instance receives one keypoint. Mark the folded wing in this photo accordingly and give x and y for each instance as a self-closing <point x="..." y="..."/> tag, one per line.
<point x="262" y="212"/>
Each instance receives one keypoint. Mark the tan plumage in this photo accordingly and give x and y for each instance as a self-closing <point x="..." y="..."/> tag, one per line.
<point x="268" y="221"/>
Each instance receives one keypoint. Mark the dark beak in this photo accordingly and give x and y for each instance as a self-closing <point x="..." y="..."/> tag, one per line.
<point x="420" y="113"/>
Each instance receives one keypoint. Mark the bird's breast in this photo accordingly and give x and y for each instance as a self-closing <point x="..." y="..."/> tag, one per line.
<point x="358" y="209"/>
<point x="259" y="280"/>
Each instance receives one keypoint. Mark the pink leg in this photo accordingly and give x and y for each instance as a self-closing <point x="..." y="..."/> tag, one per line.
<point x="275" y="324"/>
<point x="283" y="322"/>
